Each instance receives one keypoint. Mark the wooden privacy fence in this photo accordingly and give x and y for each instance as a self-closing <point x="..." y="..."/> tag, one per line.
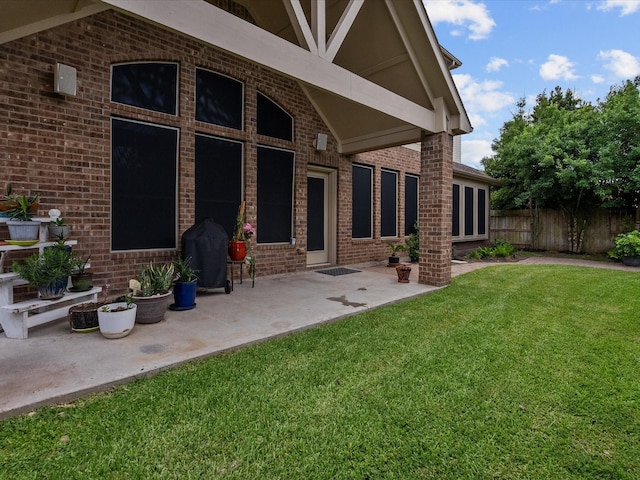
<point x="548" y="229"/>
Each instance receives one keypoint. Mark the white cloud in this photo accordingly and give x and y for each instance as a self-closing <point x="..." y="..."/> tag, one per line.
<point x="627" y="7"/>
<point x="557" y="67"/>
<point x="482" y="96"/>
<point x="466" y="13"/>
<point x="496" y="64"/>
<point x="473" y="151"/>
<point x="622" y="64"/>
<point x="597" y="78"/>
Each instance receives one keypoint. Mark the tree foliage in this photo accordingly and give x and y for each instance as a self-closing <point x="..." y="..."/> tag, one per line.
<point x="570" y="155"/>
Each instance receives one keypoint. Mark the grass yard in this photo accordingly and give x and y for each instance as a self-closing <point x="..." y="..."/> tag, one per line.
<point x="512" y="372"/>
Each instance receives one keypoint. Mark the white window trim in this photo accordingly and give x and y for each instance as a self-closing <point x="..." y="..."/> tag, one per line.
<point x="461" y="214"/>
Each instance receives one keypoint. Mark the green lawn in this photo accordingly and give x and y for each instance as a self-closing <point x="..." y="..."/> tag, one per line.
<point x="513" y="372"/>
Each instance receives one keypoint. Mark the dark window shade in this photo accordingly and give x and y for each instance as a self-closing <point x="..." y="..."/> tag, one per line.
<point x="315" y="214"/>
<point x="143" y="179"/>
<point x="455" y="231"/>
<point x="361" y="197"/>
<point x="275" y="195"/>
<point x="482" y="214"/>
<point x="273" y="120"/>
<point x="218" y="169"/>
<point x="388" y="204"/>
<point x="218" y="99"/>
<point x="146" y="85"/>
<point x="410" y="204"/>
<point x="468" y="211"/>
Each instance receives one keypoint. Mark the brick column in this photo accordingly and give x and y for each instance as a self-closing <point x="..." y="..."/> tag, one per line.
<point x="434" y="217"/>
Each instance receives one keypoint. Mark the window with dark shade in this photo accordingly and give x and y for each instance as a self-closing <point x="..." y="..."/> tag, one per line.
<point x="219" y="99"/>
<point x="482" y="213"/>
<point x="468" y="211"/>
<point x="218" y="171"/>
<point x="275" y="195"/>
<point x="410" y="204"/>
<point x="455" y="231"/>
<point x="388" y="204"/>
<point x="273" y="120"/>
<point x="361" y="198"/>
<point x="149" y="85"/>
<point x="143" y="183"/>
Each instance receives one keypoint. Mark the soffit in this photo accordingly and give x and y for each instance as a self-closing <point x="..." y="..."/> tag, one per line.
<point x="377" y="78"/>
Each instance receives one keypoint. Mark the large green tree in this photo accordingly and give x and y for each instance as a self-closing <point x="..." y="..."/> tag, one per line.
<point x="547" y="160"/>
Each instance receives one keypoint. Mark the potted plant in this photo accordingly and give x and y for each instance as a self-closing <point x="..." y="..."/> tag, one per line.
<point x="117" y="319"/>
<point x="241" y="235"/>
<point x="81" y="280"/>
<point x="48" y="271"/>
<point x="185" y="285"/>
<point x="393" y="250"/>
<point x="627" y="248"/>
<point x="6" y="201"/>
<point x="150" y="291"/>
<point x="59" y="229"/>
<point x="22" y="229"/>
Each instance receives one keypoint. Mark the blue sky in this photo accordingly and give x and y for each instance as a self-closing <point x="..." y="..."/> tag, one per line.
<point x="512" y="49"/>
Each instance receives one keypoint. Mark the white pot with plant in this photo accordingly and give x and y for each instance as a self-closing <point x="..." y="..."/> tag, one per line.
<point x="22" y="229"/>
<point x="58" y="229"/>
<point x="116" y="320"/>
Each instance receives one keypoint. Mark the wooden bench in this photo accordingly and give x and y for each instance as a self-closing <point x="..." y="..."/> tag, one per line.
<point x="17" y="318"/>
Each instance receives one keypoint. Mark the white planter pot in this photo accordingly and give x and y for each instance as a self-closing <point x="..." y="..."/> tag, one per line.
<point x="117" y="324"/>
<point x="23" y="231"/>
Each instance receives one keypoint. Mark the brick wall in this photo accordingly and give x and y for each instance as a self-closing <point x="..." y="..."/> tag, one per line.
<point x="60" y="146"/>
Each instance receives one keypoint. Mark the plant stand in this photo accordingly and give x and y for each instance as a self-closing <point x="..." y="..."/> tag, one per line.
<point x="403" y="271"/>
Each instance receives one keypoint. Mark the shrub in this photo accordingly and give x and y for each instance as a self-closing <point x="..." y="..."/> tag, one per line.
<point x="626" y="245"/>
<point x="413" y="244"/>
<point x="499" y="248"/>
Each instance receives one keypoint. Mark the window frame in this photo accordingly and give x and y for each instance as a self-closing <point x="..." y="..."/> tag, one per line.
<point x="475" y="187"/>
<point x="409" y="228"/>
<point x="242" y="99"/>
<point x="175" y="186"/>
<point x="371" y="196"/>
<point x="176" y="93"/>
<point x="387" y="171"/>
<point x="282" y="109"/>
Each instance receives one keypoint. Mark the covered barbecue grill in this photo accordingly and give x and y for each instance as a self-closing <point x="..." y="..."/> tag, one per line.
<point x="206" y="242"/>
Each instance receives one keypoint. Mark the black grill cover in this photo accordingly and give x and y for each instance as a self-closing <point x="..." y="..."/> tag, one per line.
<point x="206" y="242"/>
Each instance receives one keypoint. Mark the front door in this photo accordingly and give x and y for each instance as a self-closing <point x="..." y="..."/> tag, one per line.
<point x="320" y="217"/>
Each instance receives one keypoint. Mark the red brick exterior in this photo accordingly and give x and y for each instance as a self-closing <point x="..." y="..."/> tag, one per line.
<point x="435" y="212"/>
<point x="60" y="146"/>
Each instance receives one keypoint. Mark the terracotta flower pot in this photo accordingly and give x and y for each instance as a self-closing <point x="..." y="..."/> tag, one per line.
<point x="403" y="271"/>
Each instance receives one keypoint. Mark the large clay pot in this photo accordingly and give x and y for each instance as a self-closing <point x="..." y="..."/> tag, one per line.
<point x="237" y="250"/>
<point x="151" y="309"/>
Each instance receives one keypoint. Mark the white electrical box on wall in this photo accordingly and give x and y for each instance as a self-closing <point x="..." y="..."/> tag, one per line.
<point x="65" y="79"/>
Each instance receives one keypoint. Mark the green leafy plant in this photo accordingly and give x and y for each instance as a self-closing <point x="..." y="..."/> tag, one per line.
<point x="79" y="263"/>
<point x="395" y="248"/>
<point x="413" y="243"/>
<point x="22" y="207"/>
<point x="46" y="268"/>
<point x="626" y="245"/>
<point x="183" y="271"/>
<point x="155" y="279"/>
<point x="499" y="248"/>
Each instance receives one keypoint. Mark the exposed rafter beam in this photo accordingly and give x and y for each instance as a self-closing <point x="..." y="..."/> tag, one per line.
<point x="300" y="25"/>
<point x="342" y="28"/>
<point x="412" y="54"/>
<point x="223" y="30"/>
<point x="319" y="24"/>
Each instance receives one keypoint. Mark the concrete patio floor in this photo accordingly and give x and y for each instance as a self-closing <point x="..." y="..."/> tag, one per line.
<point x="55" y="365"/>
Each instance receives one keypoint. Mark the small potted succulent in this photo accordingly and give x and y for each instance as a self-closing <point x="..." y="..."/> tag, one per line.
<point x="57" y="227"/>
<point x="627" y="248"/>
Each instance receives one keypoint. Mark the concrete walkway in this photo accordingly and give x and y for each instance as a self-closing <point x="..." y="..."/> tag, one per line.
<point x="55" y="365"/>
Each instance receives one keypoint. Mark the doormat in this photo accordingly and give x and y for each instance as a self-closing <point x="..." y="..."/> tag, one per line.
<point x="334" y="272"/>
